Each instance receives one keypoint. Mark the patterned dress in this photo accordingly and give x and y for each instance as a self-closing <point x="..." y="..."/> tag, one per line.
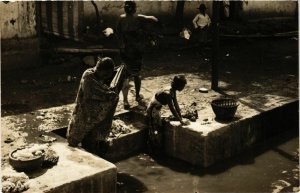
<point x="92" y="117"/>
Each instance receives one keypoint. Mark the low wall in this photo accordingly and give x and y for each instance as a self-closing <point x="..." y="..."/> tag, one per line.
<point x="203" y="145"/>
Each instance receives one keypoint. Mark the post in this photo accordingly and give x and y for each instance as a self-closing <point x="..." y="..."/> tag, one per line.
<point x="215" y="51"/>
<point x="179" y="13"/>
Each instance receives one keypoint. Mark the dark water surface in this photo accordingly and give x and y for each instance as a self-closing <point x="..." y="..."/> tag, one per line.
<point x="257" y="170"/>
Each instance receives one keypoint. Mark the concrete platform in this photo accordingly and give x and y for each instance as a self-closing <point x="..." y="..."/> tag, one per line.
<point x="131" y="143"/>
<point x="76" y="170"/>
<point x="123" y="145"/>
<point x="204" y="143"/>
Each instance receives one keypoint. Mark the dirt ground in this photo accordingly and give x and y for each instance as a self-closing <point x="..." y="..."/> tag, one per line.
<point x="247" y="66"/>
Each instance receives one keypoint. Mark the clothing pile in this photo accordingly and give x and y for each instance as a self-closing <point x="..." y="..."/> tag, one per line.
<point x="51" y="158"/>
<point x="190" y="112"/>
<point x="29" y="152"/>
<point x="13" y="182"/>
<point x="118" y="128"/>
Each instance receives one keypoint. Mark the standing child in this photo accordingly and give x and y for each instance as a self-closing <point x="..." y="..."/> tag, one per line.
<point x="161" y="98"/>
<point x="201" y="23"/>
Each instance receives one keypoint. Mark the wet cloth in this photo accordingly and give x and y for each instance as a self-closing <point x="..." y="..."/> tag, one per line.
<point x="94" y="109"/>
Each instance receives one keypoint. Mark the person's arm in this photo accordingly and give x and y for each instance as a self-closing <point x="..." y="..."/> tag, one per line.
<point x="148" y="18"/>
<point x="195" y="21"/>
<point x="95" y="90"/>
<point x="176" y="105"/>
<point x="172" y="108"/>
<point x="208" y="21"/>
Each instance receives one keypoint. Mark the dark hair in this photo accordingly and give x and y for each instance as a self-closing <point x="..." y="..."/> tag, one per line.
<point x="178" y="82"/>
<point x="130" y="7"/>
<point x="104" y="64"/>
<point x="202" y="7"/>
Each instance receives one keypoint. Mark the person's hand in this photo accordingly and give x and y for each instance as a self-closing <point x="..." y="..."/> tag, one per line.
<point x="185" y="122"/>
<point x="155" y="19"/>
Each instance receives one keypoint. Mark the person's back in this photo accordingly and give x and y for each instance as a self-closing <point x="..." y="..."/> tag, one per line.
<point x="131" y="35"/>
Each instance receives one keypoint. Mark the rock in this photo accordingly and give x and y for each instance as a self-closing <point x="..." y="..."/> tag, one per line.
<point x="9" y="140"/>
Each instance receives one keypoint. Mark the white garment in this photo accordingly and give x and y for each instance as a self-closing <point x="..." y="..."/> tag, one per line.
<point x="201" y="21"/>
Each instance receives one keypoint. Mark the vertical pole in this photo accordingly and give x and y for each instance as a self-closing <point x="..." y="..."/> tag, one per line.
<point x="38" y="16"/>
<point x="216" y="46"/>
<point x="179" y="13"/>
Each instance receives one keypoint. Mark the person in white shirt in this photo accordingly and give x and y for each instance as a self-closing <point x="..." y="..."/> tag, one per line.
<point x="201" y="24"/>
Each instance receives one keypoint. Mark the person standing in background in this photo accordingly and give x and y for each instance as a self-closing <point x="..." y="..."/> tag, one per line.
<point x="201" y="24"/>
<point x="131" y="34"/>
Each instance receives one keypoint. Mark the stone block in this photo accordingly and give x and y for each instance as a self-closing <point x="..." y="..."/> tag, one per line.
<point x="205" y="145"/>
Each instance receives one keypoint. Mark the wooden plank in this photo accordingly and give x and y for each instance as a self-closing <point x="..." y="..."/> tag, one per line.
<point x="85" y="50"/>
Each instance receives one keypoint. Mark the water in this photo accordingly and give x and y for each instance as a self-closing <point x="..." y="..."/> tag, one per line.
<point x="257" y="170"/>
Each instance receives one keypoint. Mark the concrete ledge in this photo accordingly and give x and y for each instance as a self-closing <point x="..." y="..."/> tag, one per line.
<point x="123" y="145"/>
<point x="205" y="145"/>
<point x="128" y="144"/>
<point x="76" y="170"/>
<point x="202" y="143"/>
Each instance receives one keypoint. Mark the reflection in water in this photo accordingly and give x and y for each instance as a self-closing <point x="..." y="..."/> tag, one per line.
<point x="129" y="184"/>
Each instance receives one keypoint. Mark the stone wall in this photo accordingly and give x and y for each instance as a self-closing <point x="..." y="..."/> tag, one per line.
<point x="17" y="20"/>
<point x="19" y="41"/>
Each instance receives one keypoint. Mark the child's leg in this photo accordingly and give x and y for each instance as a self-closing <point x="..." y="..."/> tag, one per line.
<point x="125" y="91"/>
<point x="137" y="83"/>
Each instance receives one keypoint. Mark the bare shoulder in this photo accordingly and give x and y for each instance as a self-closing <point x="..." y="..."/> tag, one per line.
<point x="88" y="73"/>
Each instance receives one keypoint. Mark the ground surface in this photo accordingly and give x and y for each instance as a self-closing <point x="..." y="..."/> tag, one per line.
<point x="247" y="67"/>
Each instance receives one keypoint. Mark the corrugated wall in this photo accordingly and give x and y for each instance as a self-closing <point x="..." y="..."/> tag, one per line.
<point x="62" y="18"/>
